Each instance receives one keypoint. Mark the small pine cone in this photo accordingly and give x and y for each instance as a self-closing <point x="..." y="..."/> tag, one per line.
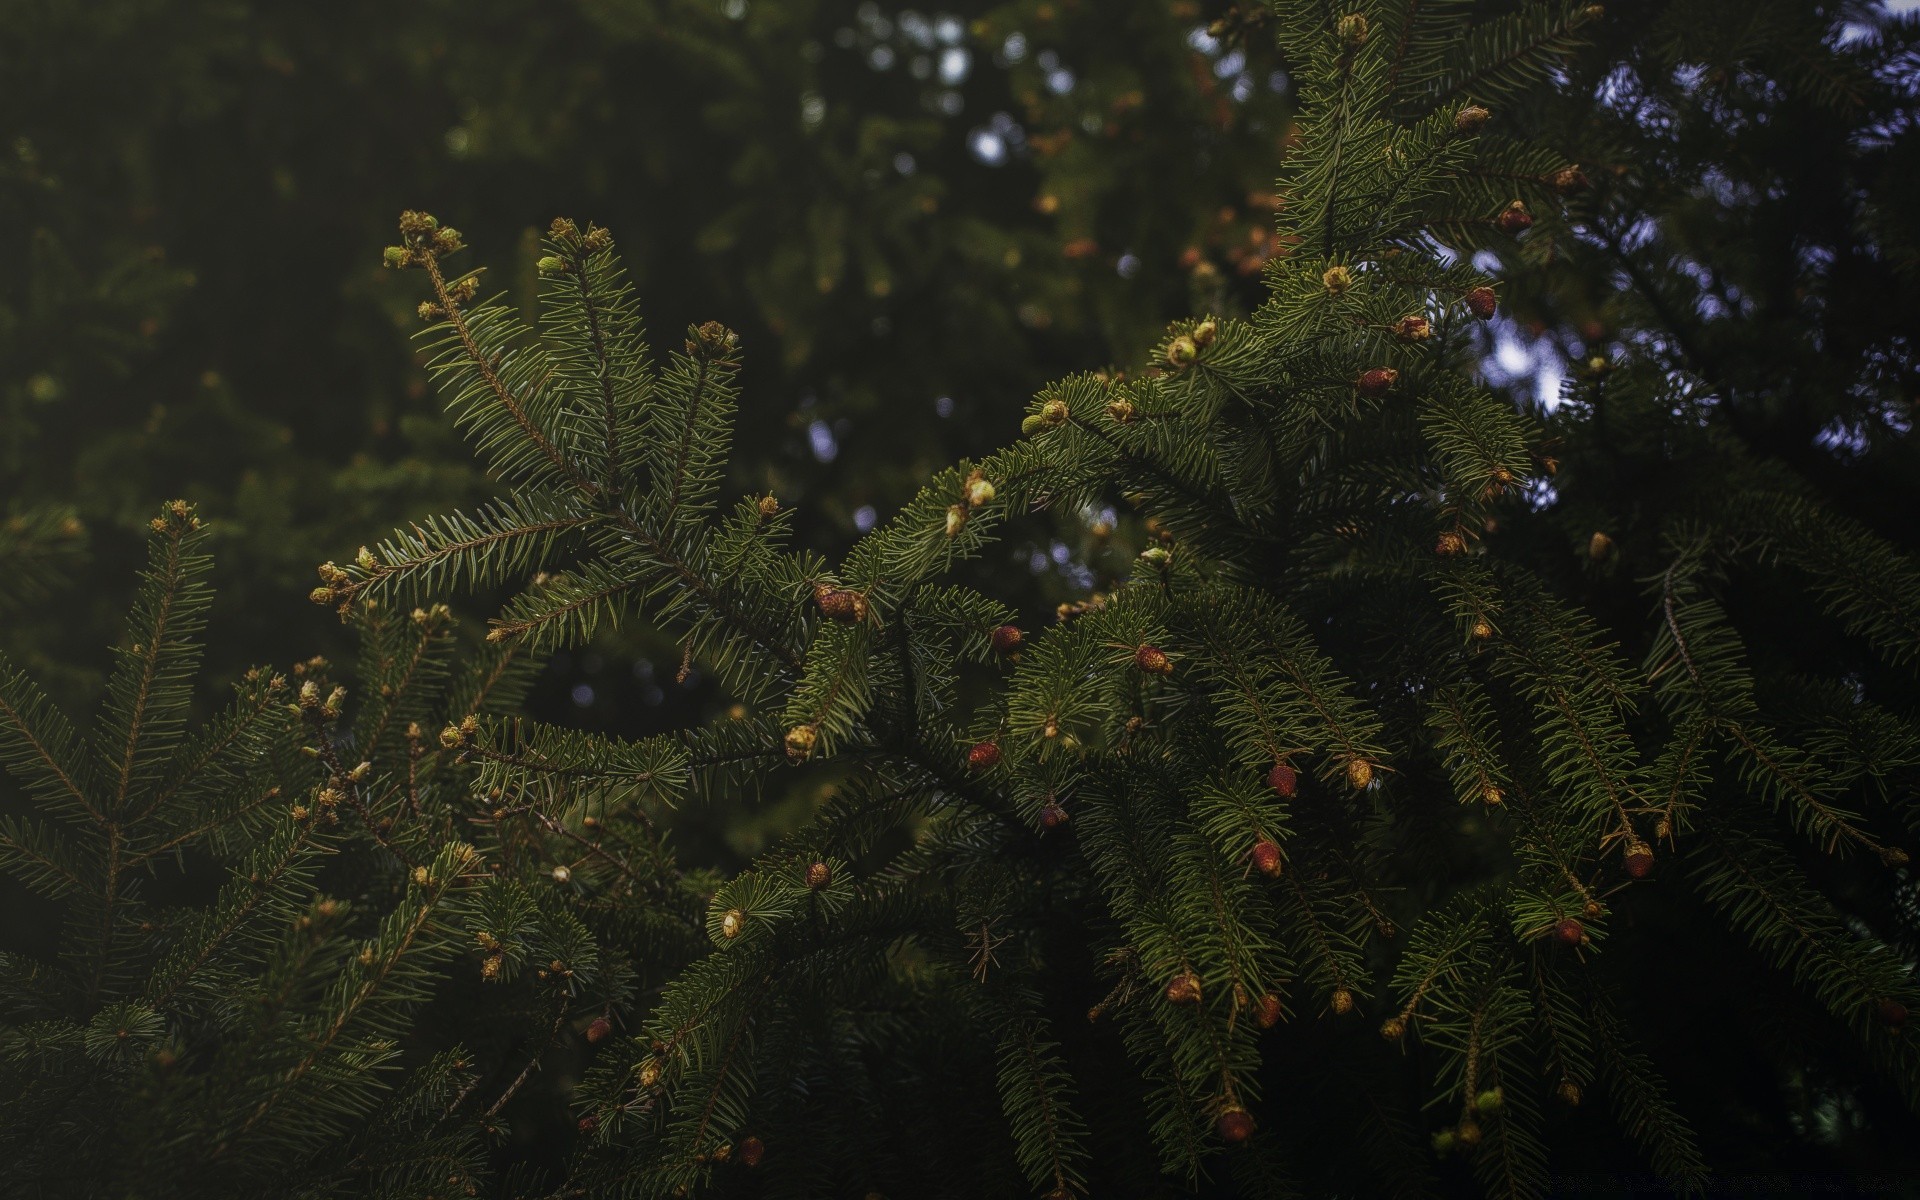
<point x="1450" y="542"/>
<point x="1492" y="796"/>
<point x="562" y="873"/>
<point x="1470" y="119"/>
<point x="1393" y="1029"/>
<point x="1569" y="1093"/>
<point x="1482" y="631"/>
<point x="1468" y="1132"/>
<point x="1266" y="858"/>
<point x="1891" y="1013"/>
<point x="1375" y="382"/>
<point x="800" y="742"/>
<point x="1205" y="332"/>
<point x="732" y="923"/>
<point x="1569" y="931"/>
<point x="1336" y="280"/>
<point x="1005" y="639"/>
<point x="1598" y="546"/>
<point x="599" y="1029"/>
<point x="1267" y="1010"/>
<point x="1184" y="988"/>
<point x="1639" y="858"/>
<point x="769" y="507"/>
<point x="1444" y="1141"/>
<point x="1490" y="1101"/>
<point x="1481" y="302"/>
<point x="1181" y="351"/>
<point x="1153" y="660"/>
<point x="840" y="605"/>
<point x="1569" y="180"/>
<point x="1353" y="29"/>
<point x="1053" y="815"/>
<point x="587" y="1123"/>
<point x="1341" y="1002"/>
<point x="1359" y="774"/>
<point x="984" y="756"/>
<point x="751" y="1150"/>
<point x="1283" y="779"/>
<point x="1235" y="1124"/>
<point x="1413" y="328"/>
<point x="1121" y="411"/>
<point x="1514" y="219"/>
<point x="819" y="875"/>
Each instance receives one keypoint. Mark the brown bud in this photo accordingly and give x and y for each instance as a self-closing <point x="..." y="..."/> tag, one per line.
<point x="1005" y="639"/>
<point x="1598" y="545"/>
<point x="1267" y="1010"/>
<point x="751" y="1151"/>
<point x="1569" y="1093"/>
<point x="769" y="507"/>
<point x="1235" y="1124"/>
<point x="1153" y="660"/>
<point x="1376" y="382"/>
<point x="1341" y="1002"/>
<point x="599" y="1029"/>
<point x="1283" y="779"/>
<point x="800" y="742"/>
<point x="1450" y="542"/>
<point x="1569" y="931"/>
<point x="1359" y="774"/>
<point x="841" y="605"/>
<point x="1336" y="280"/>
<point x="1184" y="988"/>
<point x="1266" y="858"/>
<point x="819" y="875"/>
<point x="1181" y="351"/>
<point x="1393" y="1029"/>
<point x="1639" y="858"/>
<point x="1053" y="815"/>
<point x="1481" y="302"/>
<point x="1514" y="219"/>
<point x="1470" y="119"/>
<point x="1569" y="179"/>
<point x="1413" y="328"/>
<point x="984" y="756"/>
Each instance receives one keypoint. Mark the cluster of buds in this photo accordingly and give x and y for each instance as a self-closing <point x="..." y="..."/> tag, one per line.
<point x="458" y="737"/>
<point x="336" y="587"/>
<point x="978" y="492"/>
<point x="176" y="516"/>
<point x="422" y="238"/>
<point x="1052" y="415"/>
<point x="713" y="340"/>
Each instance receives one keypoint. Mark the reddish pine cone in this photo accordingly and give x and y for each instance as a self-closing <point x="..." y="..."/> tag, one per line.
<point x="599" y="1029"/>
<point x="1342" y="1002"/>
<point x="841" y="605"/>
<point x="1639" y="859"/>
<point x="984" y="756"/>
<point x="1153" y="660"/>
<point x="1892" y="1013"/>
<point x="1184" y="988"/>
<point x="1283" y="779"/>
<point x="751" y="1150"/>
<point x="1052" y="815"/>
<point x="819" y="875"/>
<point x="1267" y="1011"/>
<point x="1235" y="1124"/>
<point x="1470" y="118"/>
<point x="1514" y="219"/>
<point x="1266" y="857"/>
<point x="1375" y="382"/>
<point x="1481" y="302"/>
<point x="1569" y="931"/>
<point x="1005" y="638"/>
<point x="587" y="1124"/>
<point x="1413" y="329"/>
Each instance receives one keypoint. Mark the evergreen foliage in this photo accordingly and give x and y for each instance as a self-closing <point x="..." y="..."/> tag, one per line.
<point x="1363" y="739"/>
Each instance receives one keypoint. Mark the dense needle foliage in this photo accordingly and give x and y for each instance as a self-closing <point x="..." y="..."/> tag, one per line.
<point x="1436" y="790"/>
